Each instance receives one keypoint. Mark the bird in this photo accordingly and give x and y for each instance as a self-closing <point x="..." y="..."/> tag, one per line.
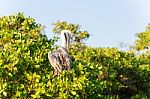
<point x="59" y="59"/>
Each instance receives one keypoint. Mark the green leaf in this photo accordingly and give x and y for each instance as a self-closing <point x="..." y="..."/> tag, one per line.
<point x="73" y="92"/>
<point x="4" y="93"/>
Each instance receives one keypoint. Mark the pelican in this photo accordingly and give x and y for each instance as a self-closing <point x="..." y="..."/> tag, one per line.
<point x="59" y="59"/>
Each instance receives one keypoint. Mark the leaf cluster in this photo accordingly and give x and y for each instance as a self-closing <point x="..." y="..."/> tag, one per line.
<point x="143" y="39"/>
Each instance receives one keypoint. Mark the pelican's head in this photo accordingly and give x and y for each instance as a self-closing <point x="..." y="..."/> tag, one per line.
<point x="66" y="36"/>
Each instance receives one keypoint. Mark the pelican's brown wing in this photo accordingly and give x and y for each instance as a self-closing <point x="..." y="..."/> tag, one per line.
<point x="55" y="63"/>
<point x="64" y="60"/>
<point x="59" y="60"/>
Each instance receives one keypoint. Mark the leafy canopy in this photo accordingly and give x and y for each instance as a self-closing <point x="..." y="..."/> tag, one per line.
<point x="96" y="73"/>
<point x="23" y="56"/>
<point x="143" y="39"/>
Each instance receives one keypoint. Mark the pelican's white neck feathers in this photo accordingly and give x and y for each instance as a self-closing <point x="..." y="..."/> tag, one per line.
<point x="65" y="37"/>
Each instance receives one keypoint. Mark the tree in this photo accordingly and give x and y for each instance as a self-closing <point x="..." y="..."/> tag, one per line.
<point x="23" y="56"/>
<point x="143" y="39"/>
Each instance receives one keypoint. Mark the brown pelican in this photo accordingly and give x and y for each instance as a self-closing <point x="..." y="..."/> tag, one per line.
<point x="59" y="59"/>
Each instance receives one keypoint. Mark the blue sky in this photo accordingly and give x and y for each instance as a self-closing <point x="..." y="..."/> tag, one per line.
<point x="108" y="21"/>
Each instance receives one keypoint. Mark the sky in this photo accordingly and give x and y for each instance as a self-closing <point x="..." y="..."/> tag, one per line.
<point x="109" y="22"/>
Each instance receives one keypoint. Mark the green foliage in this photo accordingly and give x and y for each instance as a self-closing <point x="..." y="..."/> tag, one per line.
<point x="113" y="73"/>
<point x="143" y="39"/>
<point x="23" y="56"/>
<point x="96" y="73"/>
<point x="77" y="35"/>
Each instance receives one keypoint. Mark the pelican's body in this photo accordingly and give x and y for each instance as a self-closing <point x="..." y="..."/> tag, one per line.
<point x="59" y="59"/>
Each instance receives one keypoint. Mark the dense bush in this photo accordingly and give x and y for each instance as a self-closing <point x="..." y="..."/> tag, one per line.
<point x="95" y="72"/>
<point x="23" y="56"/>
<point x="114" y="73"/>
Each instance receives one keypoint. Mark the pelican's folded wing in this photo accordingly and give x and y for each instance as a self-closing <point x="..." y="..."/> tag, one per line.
<point x="55" y="63"/>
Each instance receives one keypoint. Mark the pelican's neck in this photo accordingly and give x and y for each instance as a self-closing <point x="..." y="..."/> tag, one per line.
<point x="64" y="43"/>
<point x="65" y="37"/>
